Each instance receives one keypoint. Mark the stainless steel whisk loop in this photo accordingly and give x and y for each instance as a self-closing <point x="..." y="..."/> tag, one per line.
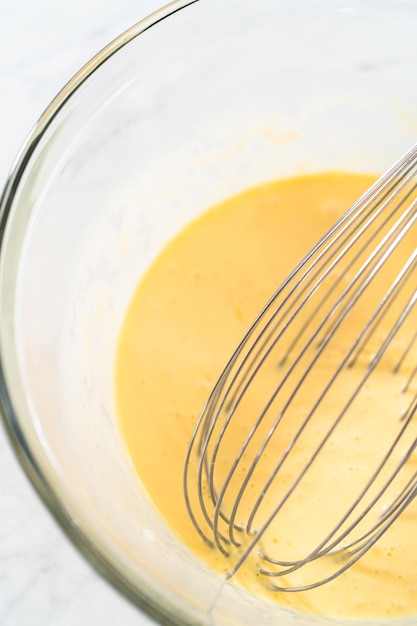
<point x="343" y="324"/>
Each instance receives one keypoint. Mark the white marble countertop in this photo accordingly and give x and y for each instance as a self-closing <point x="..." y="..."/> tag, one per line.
<point x="43" y="579"/>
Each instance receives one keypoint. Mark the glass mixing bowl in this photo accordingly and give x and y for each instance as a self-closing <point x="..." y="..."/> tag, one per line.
<point x="199" y="101"/>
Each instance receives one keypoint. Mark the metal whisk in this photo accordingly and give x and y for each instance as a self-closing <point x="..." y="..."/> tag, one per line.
<point x="333" y="348"/>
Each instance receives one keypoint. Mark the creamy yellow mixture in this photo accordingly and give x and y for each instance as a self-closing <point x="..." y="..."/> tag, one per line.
<point x="186" y="317"/>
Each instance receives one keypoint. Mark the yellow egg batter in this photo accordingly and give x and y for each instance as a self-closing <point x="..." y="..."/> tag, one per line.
<point x="186" y="317"/>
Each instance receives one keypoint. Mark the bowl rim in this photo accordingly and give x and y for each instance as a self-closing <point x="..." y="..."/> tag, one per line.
<point x="156" y="606"/>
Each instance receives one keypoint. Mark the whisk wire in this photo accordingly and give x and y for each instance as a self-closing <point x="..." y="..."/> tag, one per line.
<point x="317" y="552"/>
<point x="302" y="326"/>
<point x="296" y="389"/>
